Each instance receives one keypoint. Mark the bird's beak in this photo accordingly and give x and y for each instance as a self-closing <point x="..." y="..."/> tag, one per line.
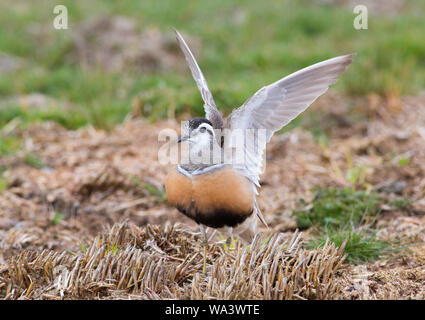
<point x="181" y="139"/>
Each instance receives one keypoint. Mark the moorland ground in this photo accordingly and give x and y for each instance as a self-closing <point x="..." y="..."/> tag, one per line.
<point x="83" y="212"/>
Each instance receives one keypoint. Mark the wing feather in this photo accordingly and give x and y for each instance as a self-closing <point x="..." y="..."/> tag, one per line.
<point x="211" y="110"/>
<point x="274" y="106"/>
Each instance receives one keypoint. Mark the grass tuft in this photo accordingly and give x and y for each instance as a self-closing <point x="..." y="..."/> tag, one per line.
<point x="401" y="204"/>
<point x="361" y="245"/>
<point x="3" y="181"/>
<point x="340" y="216"/>
<point x="151" y="189"/>
<point x="335" y="208"/>
<point x="33" y="161"/>
<point x="58" y="217"/>
<point x="9" y="144"/>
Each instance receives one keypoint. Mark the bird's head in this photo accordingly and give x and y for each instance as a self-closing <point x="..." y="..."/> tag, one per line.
<point x="198" y="132"/>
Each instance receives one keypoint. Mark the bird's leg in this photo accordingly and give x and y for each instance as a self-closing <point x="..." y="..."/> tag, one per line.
<point x="229" y="236"/>
<point x="205" y="242"/>
<point x="212" y="236"/>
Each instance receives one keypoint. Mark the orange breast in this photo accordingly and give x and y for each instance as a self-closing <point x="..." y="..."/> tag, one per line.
<point x="219" y="198"/>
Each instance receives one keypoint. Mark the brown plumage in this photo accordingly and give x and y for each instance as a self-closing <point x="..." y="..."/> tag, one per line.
<point x="216" y="199"/>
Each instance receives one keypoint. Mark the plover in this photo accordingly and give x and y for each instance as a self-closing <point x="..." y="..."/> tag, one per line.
<point x="219" y="194"/>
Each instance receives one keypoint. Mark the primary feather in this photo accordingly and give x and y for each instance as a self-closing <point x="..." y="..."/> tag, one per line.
<point x="211" y="110"/>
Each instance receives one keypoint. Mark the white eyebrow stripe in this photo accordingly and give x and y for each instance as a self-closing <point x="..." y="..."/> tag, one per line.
<point x="206" y="126"/>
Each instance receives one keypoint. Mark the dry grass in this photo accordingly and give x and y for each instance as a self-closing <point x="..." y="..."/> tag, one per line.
<point x="165" y="263"/>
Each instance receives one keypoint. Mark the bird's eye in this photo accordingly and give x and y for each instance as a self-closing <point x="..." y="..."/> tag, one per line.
<point x="203" y="129"/>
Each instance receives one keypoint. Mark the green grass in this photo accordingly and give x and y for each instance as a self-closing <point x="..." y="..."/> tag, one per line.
<point x="70" y="120"/>
<point x="111" y="248"/>
<point x="3" y="181"/>
<point x="403" y="161"/>
<point x="153" y="191"/>
<point x="9" y="144"/>
<point x="347" y="214"/>
<point x="245" y="45"/>
<point x="58" y="217"/>
<point x="360" y="245"/>
<point x="401" y="204"/>
<point x="336" y="208"/>
<point x="83" y="247"/>
<point x="33" y="161"/>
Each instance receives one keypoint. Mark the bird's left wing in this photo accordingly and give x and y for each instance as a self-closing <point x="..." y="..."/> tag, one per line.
<point x="211" y="110"/>
<point x="275" y="105"/>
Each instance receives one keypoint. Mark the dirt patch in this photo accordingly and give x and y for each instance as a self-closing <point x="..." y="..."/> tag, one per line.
<point x="115" y="43"/>
<point x="35" y="101"/>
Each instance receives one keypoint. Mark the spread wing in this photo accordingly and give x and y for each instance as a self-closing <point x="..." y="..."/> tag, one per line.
<point x="275" y="105"/>
<point x="211" y="110"/>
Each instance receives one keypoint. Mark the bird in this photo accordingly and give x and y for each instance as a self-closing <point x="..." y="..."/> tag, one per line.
<point x="221" y="194"/>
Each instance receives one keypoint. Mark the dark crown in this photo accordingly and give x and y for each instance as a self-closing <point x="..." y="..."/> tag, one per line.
<point x="196" y="122"/>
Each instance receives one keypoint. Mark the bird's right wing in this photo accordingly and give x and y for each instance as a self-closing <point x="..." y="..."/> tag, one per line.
<point x="211" y="110"/>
